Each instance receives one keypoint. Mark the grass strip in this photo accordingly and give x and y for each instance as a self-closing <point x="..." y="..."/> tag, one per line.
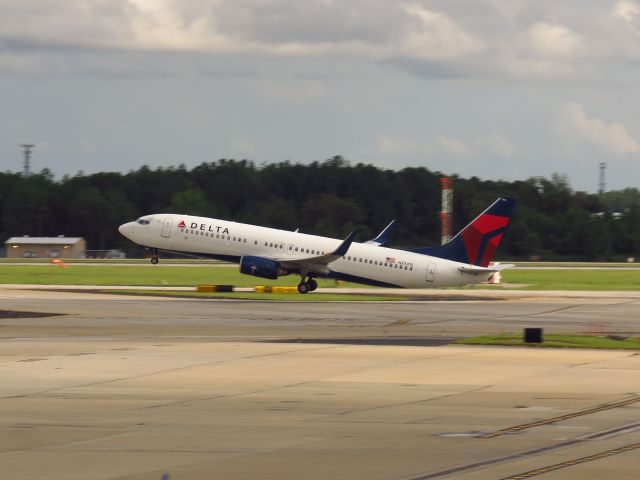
<point x="574" y="279"/>
<point x="143" y="275"/>
<point x="557" y="341"/>
<point x="179" y="275"/>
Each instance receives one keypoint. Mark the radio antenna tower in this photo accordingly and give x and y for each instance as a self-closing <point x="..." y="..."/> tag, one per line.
<point x="26" y="150"/>
<point x="601" y="185"/>
<point x="446" y="215"/>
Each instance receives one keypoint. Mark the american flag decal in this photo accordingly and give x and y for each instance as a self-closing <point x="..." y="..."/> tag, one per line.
<point x="390" y="260"/>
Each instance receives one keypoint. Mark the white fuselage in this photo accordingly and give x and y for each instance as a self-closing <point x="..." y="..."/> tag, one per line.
<point x="364" y="263"/>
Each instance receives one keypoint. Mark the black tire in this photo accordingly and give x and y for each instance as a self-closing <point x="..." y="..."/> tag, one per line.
<point x="312" y="284"/>
<point x="303" y="287"/>
<point x="154" y="260"/>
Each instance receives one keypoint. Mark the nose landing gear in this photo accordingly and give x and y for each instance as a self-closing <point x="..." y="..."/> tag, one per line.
<point x="154" y="256"/>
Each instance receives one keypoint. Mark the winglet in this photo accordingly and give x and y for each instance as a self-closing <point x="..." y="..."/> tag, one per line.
<point x="344" y="246"/>
<point x="383" y="236"/>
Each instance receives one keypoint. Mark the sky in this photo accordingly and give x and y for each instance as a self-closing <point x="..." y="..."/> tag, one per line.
<point x="499" y="89"/>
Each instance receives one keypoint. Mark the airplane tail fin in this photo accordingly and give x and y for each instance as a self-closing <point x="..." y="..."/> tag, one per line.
<point x="477" y="242"/>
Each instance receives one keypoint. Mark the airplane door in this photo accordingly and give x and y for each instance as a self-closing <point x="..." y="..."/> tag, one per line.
<point x="280" y="247"/>
<point x="290" y="249"/>
<point x="431" y="272"/>
<point x="166" y="227"/>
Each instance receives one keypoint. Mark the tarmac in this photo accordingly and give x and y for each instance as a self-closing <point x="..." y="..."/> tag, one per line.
<point x="117" y="387"/>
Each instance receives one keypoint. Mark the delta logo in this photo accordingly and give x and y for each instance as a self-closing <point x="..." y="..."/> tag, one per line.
<point x="203" y="227"/>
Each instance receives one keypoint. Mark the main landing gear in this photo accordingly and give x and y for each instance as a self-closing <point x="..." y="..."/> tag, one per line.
<point x="307" y="286"/>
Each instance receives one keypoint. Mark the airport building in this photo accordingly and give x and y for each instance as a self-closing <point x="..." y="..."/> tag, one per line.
<point x="45" y="247"/>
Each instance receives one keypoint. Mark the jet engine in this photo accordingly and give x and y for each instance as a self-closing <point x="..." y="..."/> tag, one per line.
<point x="261" y="267"/>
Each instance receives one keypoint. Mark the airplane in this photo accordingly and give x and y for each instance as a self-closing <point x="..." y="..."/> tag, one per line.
<point x="271" y="253"/>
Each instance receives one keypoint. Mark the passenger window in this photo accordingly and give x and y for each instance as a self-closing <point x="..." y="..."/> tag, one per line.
<point x="296" y="249"/>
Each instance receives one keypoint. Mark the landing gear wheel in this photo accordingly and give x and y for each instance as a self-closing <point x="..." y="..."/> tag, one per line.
<point x="312" y="284"/>
<point x="303" y="287"/>
<point x="154" y="260"/>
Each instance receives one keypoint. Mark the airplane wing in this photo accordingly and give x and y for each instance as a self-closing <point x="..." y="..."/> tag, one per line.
<point x="383" y="236"/>
<point x="320" y="263"/>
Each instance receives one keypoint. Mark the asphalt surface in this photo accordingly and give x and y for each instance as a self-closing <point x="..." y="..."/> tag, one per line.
<point x="116" y="387"/>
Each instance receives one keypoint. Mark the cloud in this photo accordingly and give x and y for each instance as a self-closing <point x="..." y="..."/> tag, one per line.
<point x="626" y="9"/>
<point x="295" y="91"/>
<point x="493" y="145"/>
<point x="525" y="41"/>
<point x="242" y="149"/>
<point x="453" y="146"/>
<point x="574" y="122"/>
<point x="434" y="35"/>
<point x="391" y="145"/>
<point x="554" y="40"/>
<point x="496" y="145"/>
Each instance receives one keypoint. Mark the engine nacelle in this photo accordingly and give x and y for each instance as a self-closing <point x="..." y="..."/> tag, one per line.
<point x="261" y="267"/>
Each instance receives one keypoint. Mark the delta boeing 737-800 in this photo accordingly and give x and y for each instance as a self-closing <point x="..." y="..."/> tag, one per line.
<point x="271" y="253"/>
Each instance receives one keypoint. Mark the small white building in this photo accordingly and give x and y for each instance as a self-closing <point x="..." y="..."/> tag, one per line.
<point x="45" y="247"/>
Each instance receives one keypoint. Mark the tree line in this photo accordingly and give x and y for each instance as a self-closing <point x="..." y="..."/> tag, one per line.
<point x="330" y="198"/>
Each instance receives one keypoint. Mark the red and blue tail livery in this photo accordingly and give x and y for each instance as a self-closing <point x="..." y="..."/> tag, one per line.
<point x="477" y="242"/>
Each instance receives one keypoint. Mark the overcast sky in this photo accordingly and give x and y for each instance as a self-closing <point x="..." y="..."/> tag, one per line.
<point x="500" y="89"/>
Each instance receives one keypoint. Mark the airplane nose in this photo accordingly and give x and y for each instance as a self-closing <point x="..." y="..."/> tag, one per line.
<point x="126" y="229"/>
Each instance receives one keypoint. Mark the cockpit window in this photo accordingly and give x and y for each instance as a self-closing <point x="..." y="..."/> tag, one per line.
<point x="144" y="222"/>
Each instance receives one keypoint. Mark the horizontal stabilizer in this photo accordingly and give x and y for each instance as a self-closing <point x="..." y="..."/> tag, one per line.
<point x="475" y="270"/>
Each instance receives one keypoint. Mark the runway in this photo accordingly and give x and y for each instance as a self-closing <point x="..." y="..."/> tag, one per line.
<point x="117" y="387"/>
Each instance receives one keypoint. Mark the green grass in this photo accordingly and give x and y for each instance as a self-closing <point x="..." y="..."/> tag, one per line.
<point x="574" y="279"/>
<point x="283" y="297"/>
<point x="143" y="275"/>
<point x="178" y="275"/>
<point x="557" y="341"/>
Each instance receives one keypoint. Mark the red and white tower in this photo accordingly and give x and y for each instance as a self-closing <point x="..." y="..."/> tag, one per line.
<point x="446" y="215"/>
